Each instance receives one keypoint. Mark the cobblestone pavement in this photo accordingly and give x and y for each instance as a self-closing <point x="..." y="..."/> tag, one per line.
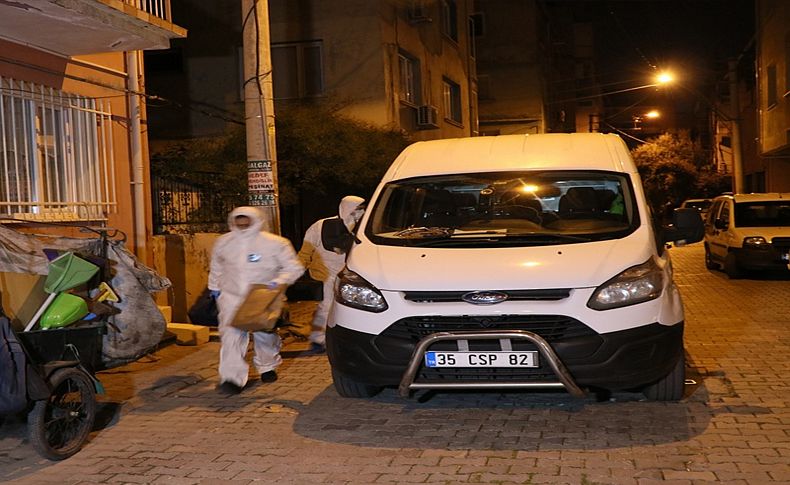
<point x="163" y="422"/>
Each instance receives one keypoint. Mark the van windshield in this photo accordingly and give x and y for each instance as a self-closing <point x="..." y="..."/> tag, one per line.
<point x="762" y="214"/>
<point x="504" y="209"/>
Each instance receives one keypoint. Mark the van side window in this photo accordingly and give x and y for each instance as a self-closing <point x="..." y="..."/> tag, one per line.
<point x="713" y="212"/>
<point x="724" y="216"/>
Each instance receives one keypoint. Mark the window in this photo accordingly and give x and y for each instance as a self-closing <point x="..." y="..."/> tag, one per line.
<point x="472" y="43"/>
<point x="451" y="94"/>
<point x="297" y="70"/>
<point x="478" y="24"/>
<point x="450" y="19"/>
<point x="787" y="65"/>
<point x="56" y="154"/>
<point x="771" y="85"/>
<point x="409" y="79"/>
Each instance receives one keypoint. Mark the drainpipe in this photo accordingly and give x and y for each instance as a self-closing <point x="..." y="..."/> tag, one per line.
<point x="136" y="154"/>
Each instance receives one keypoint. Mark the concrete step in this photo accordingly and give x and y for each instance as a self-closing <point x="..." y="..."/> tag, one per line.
<point x="167" y="312"/>
<point x="188" y="334"/>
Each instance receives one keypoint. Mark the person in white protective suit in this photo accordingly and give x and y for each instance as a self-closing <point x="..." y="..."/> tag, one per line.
<point x="324" y="263"/>
<point x="248" y="255"/>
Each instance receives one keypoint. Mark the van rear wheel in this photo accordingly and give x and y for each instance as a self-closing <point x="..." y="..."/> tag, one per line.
<point x="671" y="386"/>
<point x="348" y="387"/>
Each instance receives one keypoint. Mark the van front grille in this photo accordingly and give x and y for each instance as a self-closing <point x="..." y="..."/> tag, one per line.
<point x="549" y="327"/>
<point x="512" y="295"/>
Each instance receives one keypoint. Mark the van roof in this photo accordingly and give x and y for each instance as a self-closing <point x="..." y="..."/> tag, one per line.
<point x="574" y="151"/>
<point x="758" y="197"/>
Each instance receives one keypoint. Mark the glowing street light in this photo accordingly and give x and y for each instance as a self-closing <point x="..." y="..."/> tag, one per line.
<point x="664" y="78"/>
<point x="653" y="114"/>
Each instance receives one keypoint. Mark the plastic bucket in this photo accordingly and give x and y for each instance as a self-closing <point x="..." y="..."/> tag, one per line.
<point x="68" y="271"/>
<point x="64" y="310"/>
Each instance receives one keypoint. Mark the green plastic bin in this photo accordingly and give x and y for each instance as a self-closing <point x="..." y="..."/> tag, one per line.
<point x="68" y="271"/>
<point x="64" y="310"/>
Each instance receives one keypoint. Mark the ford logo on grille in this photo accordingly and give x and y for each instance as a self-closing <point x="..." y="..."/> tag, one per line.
<point x="484" y="297"/>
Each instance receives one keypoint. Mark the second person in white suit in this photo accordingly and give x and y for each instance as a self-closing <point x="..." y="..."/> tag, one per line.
<point x="324" y="263"/>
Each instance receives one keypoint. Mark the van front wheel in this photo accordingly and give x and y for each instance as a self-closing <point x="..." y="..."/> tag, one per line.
<point x="709" y="259"/>
<point x="348" y="387"/>
<point x="671" y="386"/>
<point x="731" y="266"/>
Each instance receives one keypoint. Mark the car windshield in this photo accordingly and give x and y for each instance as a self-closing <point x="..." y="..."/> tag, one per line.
<point x="762" y="214"/>
<point x="504" y="209"/>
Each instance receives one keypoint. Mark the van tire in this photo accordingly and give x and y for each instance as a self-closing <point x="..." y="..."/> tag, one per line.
<point x="731" y="266"/>
<point x="709" y="264"/>
<point x="347" y="387"/>
<point x="671" y="386"/>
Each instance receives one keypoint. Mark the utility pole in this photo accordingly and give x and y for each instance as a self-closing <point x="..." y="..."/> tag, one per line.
<point x="737" y="156"/>
<point x="259" y="112"/>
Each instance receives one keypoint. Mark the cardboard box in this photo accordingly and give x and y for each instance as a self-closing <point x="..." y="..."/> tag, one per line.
<point x="260" y="309"/>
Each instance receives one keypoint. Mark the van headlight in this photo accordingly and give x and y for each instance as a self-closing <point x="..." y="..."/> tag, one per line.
<point x="635" y="285"/>
<point x="354" y="291"/>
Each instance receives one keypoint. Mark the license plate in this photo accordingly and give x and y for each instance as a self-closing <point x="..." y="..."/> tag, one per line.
<point x="481" y="359"/>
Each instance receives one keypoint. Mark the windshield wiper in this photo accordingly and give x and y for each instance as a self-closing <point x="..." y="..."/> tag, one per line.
<point x="423" y="232"/>
<point x="550" y="236"/>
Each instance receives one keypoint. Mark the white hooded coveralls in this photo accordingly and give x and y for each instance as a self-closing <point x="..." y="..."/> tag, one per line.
<point x="324" y="264"/>
<point x="240" y="258"/>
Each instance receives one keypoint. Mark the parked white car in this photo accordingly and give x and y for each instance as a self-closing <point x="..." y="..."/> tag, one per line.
<point x="748" y="232"/>
<point x="519" y="261"/>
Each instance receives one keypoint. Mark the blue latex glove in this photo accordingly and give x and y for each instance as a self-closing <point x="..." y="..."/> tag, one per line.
<point x="214" y="294"/>
<point x="271" y="285"/>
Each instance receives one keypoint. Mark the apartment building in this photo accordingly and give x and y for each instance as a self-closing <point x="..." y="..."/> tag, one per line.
<point x="73" y="143"/>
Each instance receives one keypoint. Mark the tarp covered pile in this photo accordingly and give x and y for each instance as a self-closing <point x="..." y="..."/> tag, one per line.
<point x="139" y="326"/>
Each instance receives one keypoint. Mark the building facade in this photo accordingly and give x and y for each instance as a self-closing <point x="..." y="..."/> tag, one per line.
<point x="771" y="170"/>
<point x="72" y="112"/>
<point x="73" y="147"/>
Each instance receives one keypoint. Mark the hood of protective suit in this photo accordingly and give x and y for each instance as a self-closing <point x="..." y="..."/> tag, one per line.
<point x="348" y="205"/>
<point x="256" y="220"/>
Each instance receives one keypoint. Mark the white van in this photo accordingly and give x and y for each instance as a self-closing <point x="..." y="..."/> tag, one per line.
<point x="519" y="261"/>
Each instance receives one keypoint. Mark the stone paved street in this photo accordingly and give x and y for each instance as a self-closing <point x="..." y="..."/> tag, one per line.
<point x="163" y="422"/>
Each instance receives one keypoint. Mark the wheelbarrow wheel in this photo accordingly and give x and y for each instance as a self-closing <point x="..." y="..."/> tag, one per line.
<point x="58" y="426"/>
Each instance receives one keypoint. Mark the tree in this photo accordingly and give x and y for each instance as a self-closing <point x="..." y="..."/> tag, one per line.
<point x="321" y="152"/>
<point x="673" y="169"/>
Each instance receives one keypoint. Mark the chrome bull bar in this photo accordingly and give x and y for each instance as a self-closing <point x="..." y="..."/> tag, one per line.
<point x="564" y="379"/>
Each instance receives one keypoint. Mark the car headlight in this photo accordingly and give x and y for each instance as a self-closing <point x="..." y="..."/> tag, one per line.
<point x="755" y="242"/>
<point x="354" y="291"/>
<point x="635" y="285"/>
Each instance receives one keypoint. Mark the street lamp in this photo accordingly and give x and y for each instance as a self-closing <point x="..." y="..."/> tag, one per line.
<point x="652" y="114"/>
<point x="664" y="78"/>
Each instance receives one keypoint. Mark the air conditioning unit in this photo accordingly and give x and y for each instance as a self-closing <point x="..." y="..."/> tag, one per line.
<point x="427" y="116"/>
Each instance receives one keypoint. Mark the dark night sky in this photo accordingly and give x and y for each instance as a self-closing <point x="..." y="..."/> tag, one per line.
<point x="693" y="39"/>
<point x="690" y="37"/>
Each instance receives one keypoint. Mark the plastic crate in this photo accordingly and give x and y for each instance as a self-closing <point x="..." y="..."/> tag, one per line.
<point x="49" y="345"/>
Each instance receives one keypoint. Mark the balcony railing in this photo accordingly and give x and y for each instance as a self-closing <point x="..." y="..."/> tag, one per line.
<point x="157" y="8"/>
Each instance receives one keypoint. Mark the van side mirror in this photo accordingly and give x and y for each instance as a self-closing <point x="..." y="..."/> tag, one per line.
<point x="686" y="227"/>
<point x="335" y="236"/>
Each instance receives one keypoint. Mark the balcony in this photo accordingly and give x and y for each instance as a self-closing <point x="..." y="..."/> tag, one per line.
<point x="77" y="27"/>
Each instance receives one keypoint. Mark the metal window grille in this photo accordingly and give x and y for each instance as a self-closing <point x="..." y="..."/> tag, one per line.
<point x="56" y="154"/>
